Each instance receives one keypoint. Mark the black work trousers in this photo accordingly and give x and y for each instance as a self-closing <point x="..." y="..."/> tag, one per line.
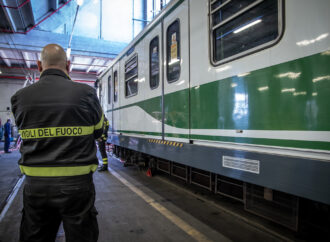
<point x="50" y="200"/>
<point x="102" y="150"/>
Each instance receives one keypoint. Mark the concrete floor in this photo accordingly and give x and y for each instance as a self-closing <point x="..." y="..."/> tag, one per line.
<point x="9" y="173"/>
<point x="134" y="207"/>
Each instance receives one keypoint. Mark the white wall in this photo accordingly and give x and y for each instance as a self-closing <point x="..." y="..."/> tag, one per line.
<point x="8" y="87"/>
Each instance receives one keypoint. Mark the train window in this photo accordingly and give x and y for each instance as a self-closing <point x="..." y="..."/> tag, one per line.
<point x="154" y="62"/>
<point x="173" y="51"/>
<point x="109" y="89"/>
<point x="131" y="76"/>
<point x="239" y="27"/>
<point x="115" y="86"/>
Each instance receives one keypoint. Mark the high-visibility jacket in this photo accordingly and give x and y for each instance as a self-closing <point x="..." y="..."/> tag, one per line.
<point x="58" y="121"/>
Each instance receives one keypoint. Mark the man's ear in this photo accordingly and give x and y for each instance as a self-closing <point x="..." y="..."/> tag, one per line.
<point x="68" y="63"/>
<point x="39" y="66"/>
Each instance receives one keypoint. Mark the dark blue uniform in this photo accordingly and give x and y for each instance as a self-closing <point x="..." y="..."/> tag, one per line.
<point x="7" y="134"/>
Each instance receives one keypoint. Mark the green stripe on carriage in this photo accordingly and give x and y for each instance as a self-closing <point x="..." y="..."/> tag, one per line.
<point x="287" y="96"/>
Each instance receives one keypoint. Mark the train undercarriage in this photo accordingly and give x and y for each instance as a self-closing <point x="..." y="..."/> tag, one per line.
<point x="306" y="218"/>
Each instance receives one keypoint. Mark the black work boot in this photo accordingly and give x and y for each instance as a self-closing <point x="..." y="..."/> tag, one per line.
<point x="103" y="168"/>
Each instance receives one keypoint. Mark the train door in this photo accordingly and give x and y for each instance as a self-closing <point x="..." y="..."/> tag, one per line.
<point x="109" y="110"/>
<point x="115" y="99"/>
<point x="176" y="74"/>
<point x="153" y="93"/>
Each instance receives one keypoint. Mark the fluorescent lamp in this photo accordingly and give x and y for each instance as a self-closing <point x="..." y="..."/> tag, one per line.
<point x="68" y="53"/>
<point x="247" y="26"/>
<point x="80" y="2"/>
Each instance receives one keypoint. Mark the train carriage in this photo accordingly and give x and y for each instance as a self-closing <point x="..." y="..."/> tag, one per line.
<point x="231" y="95"/>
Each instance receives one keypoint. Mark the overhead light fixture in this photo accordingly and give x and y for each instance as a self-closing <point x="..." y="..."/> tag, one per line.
<point x="247" y="26"/>
<point x="80" y="2"/>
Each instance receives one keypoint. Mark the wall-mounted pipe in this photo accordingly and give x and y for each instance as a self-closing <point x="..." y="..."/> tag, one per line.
<point x="36" y="69"/>
<point x="18" y="32"/>
<point x="78" y="64"/>
<point x="18" y="7"/>
<point x="24" y="78"/>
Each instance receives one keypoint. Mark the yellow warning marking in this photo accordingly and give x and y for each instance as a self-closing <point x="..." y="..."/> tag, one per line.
<point x="195" y="234"/>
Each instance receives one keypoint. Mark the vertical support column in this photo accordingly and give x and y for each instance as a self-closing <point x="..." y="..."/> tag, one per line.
<point x="144" y="12"/>
<point x="101" y="19"/>
<point x="133" y="19"/>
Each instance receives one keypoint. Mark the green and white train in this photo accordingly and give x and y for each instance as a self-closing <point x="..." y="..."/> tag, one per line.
<point x="233" y="95"/>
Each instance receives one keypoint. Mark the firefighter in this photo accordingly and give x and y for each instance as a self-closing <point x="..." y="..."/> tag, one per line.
<point x="101" y="143"/>
<point x="59" y="121"/>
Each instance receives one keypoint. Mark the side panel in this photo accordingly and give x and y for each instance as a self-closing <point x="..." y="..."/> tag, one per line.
<point x="276" y="97"/>
<point x="176" y="93"/>
<point x="146" y="104"/>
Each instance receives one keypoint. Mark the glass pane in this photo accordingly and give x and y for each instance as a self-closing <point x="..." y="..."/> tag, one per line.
<point x="216" y="4"/>
<point x="131" y="68"/>
<point x="115" y="86"/>
<point x="173" y="52"/>
<point x="229" y="9"/>
<point x="131" y="74"/>
<point x="109" y="89"/>
<point x="154" y="62"/>
<point x="255" y="27"/>
<point x="131" y="87"/>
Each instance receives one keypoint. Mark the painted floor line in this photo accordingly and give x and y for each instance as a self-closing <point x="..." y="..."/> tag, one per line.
<point x="164" y="211"/>
<point x="236" y="215"/>
<point x="11" y="198"/>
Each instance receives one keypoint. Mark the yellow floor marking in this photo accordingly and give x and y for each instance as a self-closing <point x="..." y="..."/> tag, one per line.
<point x="164" y="211"/>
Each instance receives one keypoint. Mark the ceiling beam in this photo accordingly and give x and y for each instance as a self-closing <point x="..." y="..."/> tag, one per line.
<point x="91" y="65"/>
<point x="8" y="15"/>
<point x="26" y="57"/>
<point x="71" y="66"/>
<point x="53" y="4"/>
<point x="36" y="40"/>
<point x="5" y="58"/>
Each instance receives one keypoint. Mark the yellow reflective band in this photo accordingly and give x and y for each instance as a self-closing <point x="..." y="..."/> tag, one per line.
<point x="105" y="159"/>
<point x="56" y="132"/>
<point x="100" y="124"/>
<point x="104" y="163"/>
<point x="57" y="171"/>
